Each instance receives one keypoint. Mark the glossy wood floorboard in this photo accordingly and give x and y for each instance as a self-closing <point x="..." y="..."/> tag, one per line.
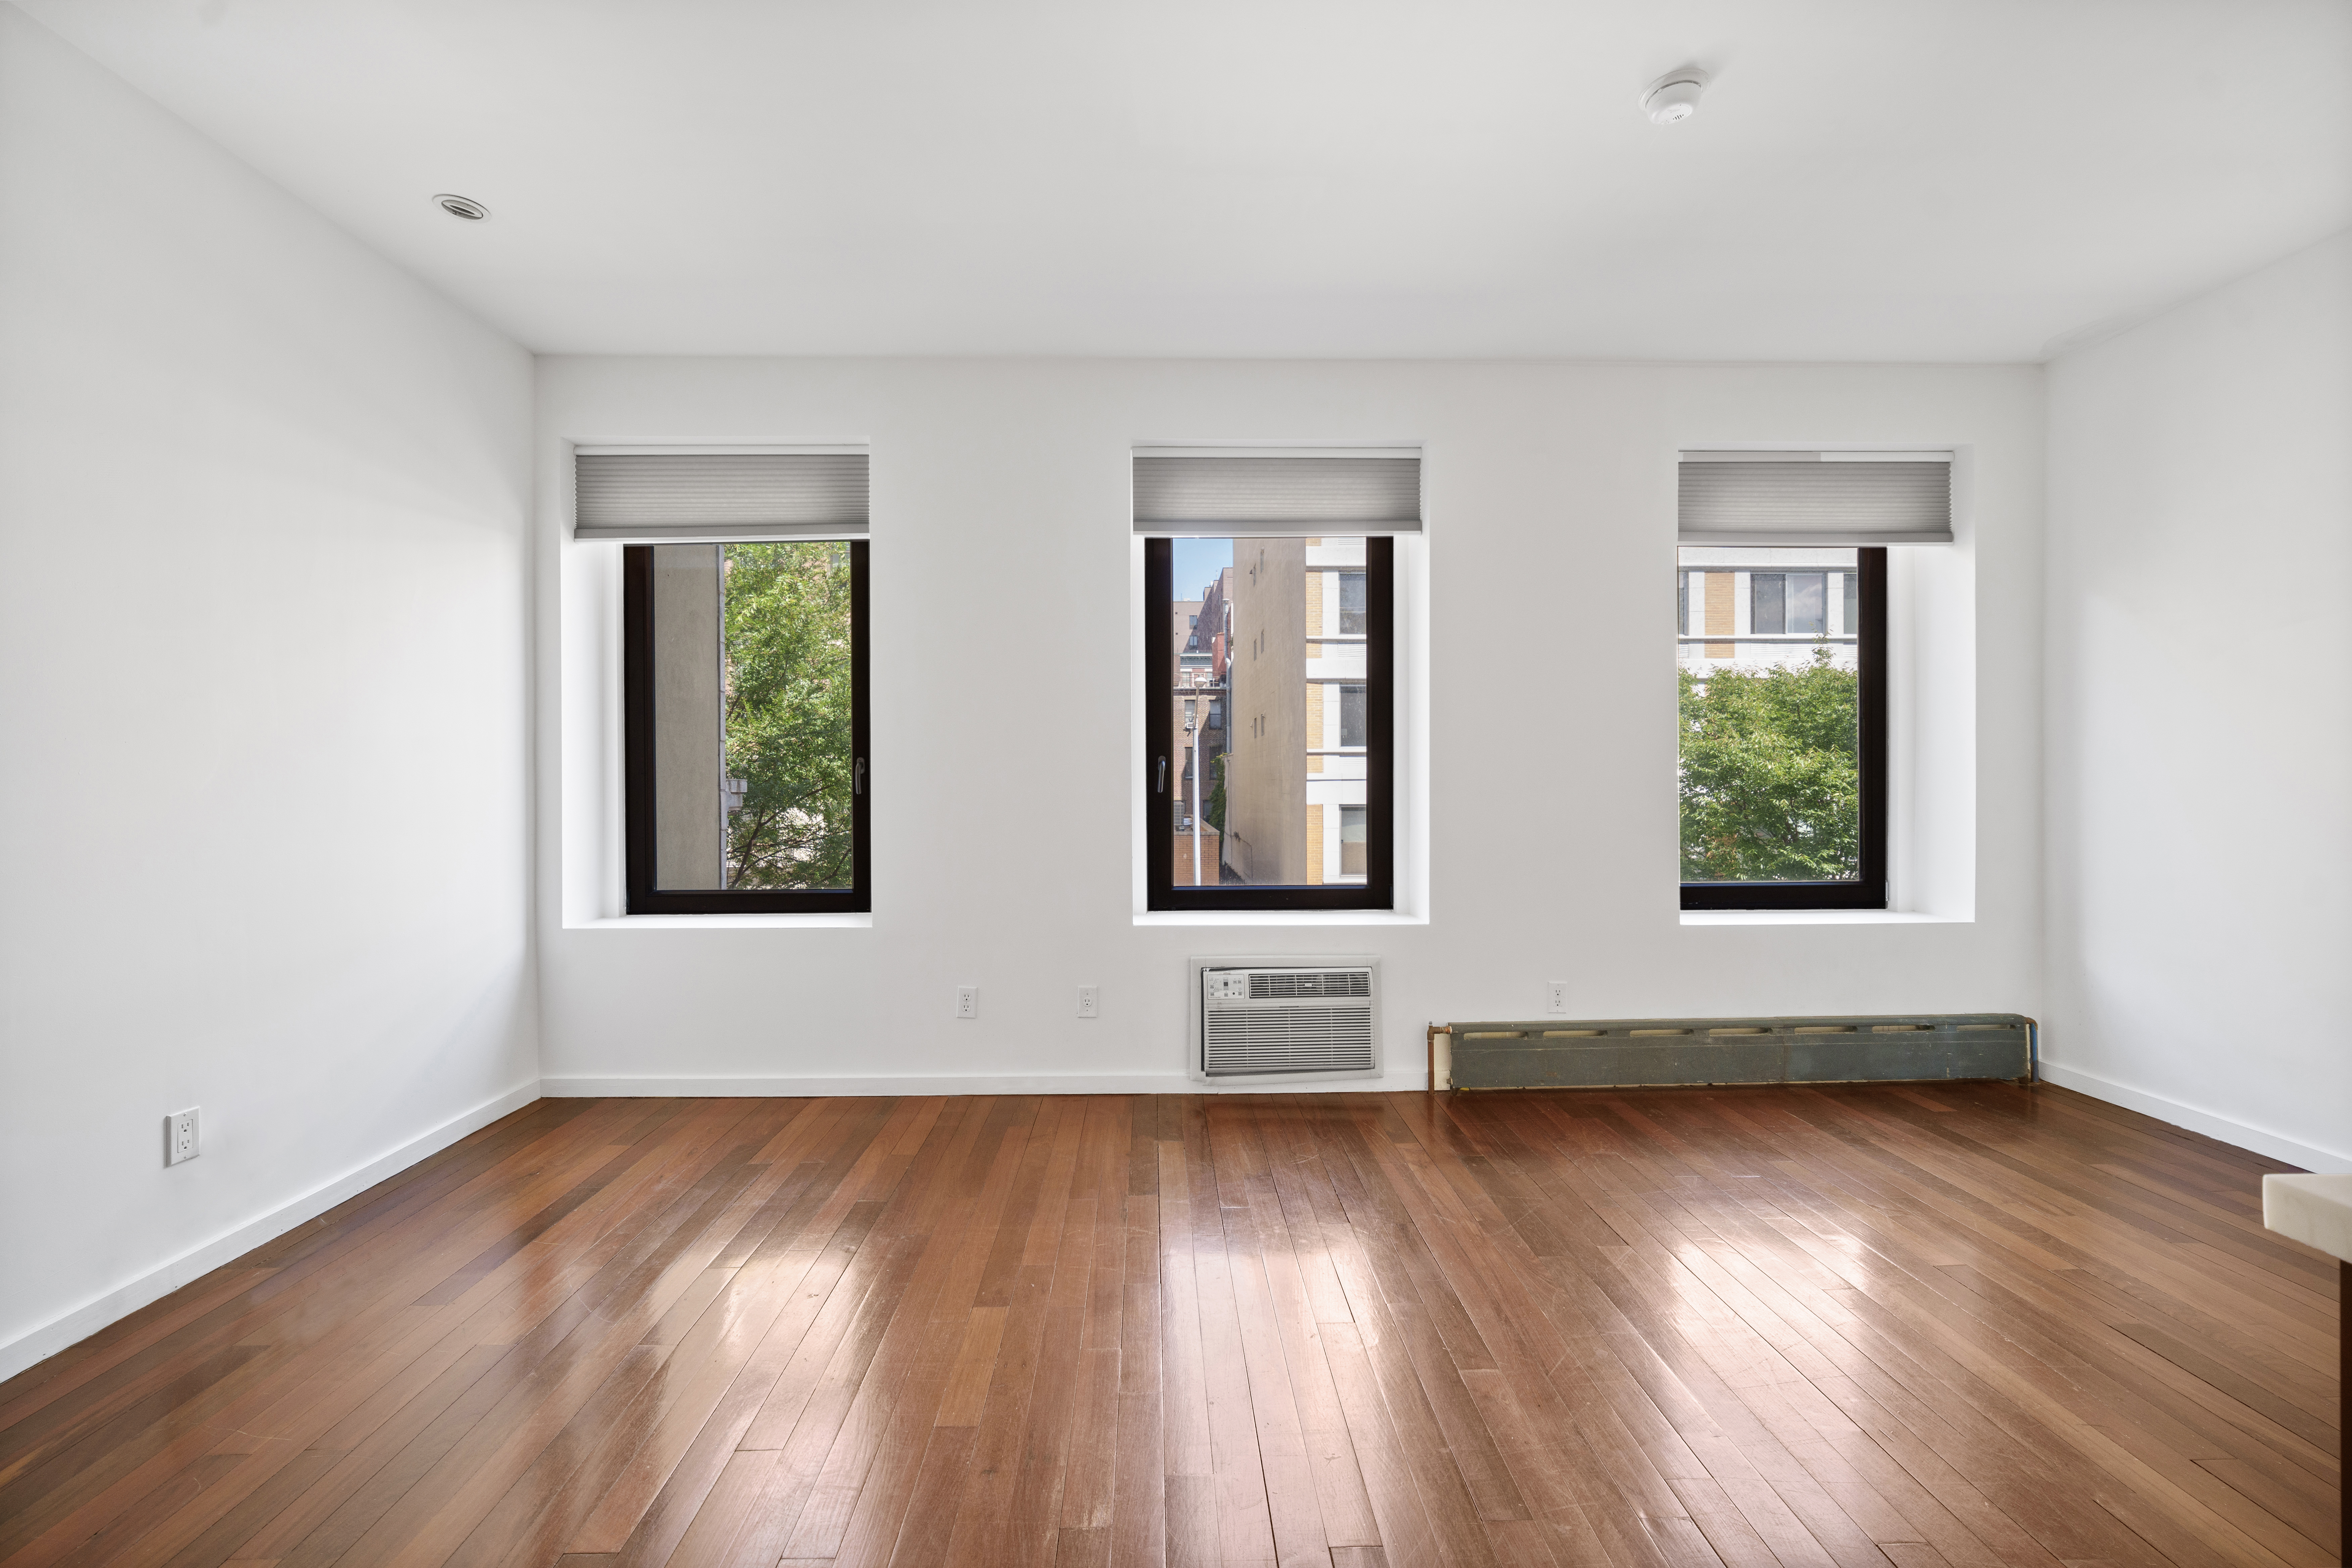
<point x="1969" y="1325"/>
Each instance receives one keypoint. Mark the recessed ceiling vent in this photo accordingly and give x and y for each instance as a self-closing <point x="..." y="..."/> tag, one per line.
<point x="465" y="208"/>
<point x="1283" y="1019"/>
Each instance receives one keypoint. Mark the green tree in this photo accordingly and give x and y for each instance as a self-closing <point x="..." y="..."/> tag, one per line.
<point x="788" y="715"/>
<point x="1771" y="773"/>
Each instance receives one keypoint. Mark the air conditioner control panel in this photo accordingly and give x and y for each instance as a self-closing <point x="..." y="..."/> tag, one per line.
<point x="1226" y="984"/>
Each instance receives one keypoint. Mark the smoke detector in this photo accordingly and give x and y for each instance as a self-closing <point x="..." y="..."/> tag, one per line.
<point x="465" y="208"/>
<point x="1674" y="96"/>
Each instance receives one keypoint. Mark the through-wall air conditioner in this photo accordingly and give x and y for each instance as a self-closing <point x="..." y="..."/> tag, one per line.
<point x="1284" y="1019"/>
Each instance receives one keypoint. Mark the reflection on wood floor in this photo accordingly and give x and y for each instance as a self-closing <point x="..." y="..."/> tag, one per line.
<point x="1968" y="1324"/>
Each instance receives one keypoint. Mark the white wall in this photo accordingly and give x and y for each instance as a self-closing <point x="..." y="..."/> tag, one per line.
<point x="1005" y="628"/>
<point x="263" y="786"/>
<point x="2200" y="732"/>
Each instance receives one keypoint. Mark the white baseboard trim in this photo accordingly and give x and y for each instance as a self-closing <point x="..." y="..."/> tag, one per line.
<point x="38" y="1344"/>
<point x="1001" y="1083"/>
<point x="2275" y="1145"/>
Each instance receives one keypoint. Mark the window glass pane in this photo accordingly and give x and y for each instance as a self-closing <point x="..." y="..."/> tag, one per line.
<point x="1808" y="603"/>
<point x="1283" y="623"/>
<point x="753" y="710"/>
<point x="1351" y="604"/>
<point x="1853" y="597"/>
<point x="1770" y="752"/>
<point x="1353" y="839"/>
<point x="1352" y="728"/>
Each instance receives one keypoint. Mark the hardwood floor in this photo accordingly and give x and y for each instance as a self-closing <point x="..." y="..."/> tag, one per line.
<point x="1968" y="1324"/>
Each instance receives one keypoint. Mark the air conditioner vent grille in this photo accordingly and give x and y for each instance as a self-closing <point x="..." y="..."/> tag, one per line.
<point x="1289" y="1040"/>
<point x="1287" y="1019"/>
<point x="1266" y="984"/>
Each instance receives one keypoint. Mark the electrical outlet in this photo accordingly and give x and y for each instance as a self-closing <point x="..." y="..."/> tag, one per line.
<point x="180" y="1136"/>
<point x="967" y="1000"/>
<point x="1090" y="1001"/>
<point x="1556" y="998"/>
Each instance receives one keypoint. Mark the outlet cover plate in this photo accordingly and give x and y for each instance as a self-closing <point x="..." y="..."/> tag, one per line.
<point x="967" y="1000"/>
<point x="1556" y="998"/>
<point x="1090" y="1001"/>
<point x="180" y="1136"/>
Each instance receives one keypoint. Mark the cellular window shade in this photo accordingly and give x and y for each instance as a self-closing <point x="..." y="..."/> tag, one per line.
<point x="1265" y="493"/>
<point x="654" y="498"/>
<point x="1815" y="498"/>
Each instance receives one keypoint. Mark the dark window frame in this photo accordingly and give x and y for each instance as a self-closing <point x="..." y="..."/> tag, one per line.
<point x="643" y="897"/>
<point x="1377" y="892"/>
<point x="1867" y="891"/>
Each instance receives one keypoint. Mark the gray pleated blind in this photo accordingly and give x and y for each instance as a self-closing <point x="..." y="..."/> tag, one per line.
<point x="640" y="497"/>
<point x="1278" y="492"/>
<point x="1814" y="497"/>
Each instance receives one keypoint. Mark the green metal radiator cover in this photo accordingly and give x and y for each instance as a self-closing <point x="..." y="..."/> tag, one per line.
<point x="1630" y="1053"/>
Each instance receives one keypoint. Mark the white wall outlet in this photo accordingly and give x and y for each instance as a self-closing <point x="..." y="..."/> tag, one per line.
<point x="1556" y="998"/>
<point x="1090" y="1001"/>
<point x="180" y="1136"/>
<point x="967" y="1000"/>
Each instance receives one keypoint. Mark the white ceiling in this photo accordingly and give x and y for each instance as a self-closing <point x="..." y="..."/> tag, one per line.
<point x="1867" y="179"/>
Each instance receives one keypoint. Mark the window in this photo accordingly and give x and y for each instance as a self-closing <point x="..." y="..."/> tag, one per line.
<point x="743" y="659"/>
<point x="1781" y="631"/>
<point x="1352" y="618"/>
<point x="1287" y="805"/>
<point x="744" y="671"/>
<point x="1353" y="723"/>
<point x="1782" y="728"/>
<point x="1352" y="836"/>
<point x="1789" y="601"/>
<point x="1270" y="827"/>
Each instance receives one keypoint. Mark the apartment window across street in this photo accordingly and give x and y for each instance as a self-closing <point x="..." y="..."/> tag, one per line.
<point x="746" y="786"/>
<point x="1278" y="567"/>
<point x="1781" y="610"/>
<point x="1352" y="614"/>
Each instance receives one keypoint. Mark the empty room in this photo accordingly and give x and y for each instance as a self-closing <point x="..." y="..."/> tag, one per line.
<point x="1532" y="784"/>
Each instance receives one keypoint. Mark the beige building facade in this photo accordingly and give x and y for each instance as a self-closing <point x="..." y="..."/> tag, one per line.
<point x="1297" y="776"/>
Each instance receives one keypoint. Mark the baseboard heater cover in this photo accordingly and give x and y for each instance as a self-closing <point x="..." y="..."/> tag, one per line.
<point x="1657" y="1053"/>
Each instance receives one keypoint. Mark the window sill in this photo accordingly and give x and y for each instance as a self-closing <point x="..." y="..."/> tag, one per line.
<point x="1816" y="917"/>
<point x="721" y="923"/>
<point x="1279" y="918"/>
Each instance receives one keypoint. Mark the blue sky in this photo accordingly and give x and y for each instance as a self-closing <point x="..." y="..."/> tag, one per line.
<point x="1196" y="564"/>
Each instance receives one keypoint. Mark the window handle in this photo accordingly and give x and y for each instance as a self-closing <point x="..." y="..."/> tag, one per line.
<point x="857" y="779"/>
<point x="1161" y="787"/>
